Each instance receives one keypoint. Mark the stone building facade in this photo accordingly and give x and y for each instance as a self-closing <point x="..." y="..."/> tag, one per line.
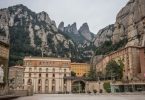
<point x="93" y="85"/>
<point x="46" y="75"/>
<point x="16" y="77"/>
<point x="4" y="57"/>
<point x="133" y="58"/>
<point x="81" y="69"/>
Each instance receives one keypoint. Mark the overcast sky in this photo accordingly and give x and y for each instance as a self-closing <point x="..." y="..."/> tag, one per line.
<point x="97" y="13"/>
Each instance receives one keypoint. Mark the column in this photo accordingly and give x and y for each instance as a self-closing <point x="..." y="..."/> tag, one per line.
<point x="43" y="85"/>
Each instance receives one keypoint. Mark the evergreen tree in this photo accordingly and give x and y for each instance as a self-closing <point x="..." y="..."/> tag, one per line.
<point x="114" y="70"/>
<point x="92" y="74"/>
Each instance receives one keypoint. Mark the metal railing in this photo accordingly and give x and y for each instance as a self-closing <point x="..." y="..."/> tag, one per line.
<point x="4" y="92"/>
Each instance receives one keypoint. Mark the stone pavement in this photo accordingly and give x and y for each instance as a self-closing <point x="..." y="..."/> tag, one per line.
<point x="82" y="97"/>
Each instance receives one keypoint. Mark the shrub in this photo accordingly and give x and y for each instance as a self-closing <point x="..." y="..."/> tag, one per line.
<point x="107" y="87"/>
<point x="95" y="91"/>
<point x="89" y="92"/>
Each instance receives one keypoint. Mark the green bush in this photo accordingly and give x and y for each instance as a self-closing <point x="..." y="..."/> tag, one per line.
<point x="107" y="87"/>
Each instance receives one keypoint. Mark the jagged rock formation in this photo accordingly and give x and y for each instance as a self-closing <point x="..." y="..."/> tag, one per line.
<point x="32" y="32"/>
<point x="128" y="30"/>
<point x="103" y="35"/>
<point x="71" y="29"/>
<point x="130" y="23"/>
<point x="61" y="27"/>
<point x="82" y="38"/>
<point x="85" y="32"/>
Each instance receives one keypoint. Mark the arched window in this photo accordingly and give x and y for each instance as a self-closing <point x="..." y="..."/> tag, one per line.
<point x="29" y="74"/>
<point x="46" y="75"/>
<point x="46" y="81"/>
<point x="23" y="81"/>
<point x="39" y="89"/>
<point x="53" y="69"/>
<point x="39" y="81"/>
<point x="30" y="69"/>
<point x="39" y="75"/>
<point x="53" y="75"/>
<point x="40" y="69"/>
<point x="46" y="69"/>
<point x="29" y="82"/>
<point x="53" y="81"/>
<point x="64" y="75"/>
<point x="64" y="70"/>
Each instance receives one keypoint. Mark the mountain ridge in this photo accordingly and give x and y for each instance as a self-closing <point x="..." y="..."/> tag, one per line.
<point x="31" y="33"/>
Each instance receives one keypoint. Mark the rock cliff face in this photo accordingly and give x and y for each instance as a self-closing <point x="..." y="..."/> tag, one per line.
<point x="31" y="32"/>
<point x="71" y="29"/>
<point x="130" y="23"/>
<point x="85" y="32"/>
<point x="103" y="35"/>
<point x="79" y="36"/>
<point x="83" y="38"/>
<point x="4" y="29"/>
<point x="61" y="27"/>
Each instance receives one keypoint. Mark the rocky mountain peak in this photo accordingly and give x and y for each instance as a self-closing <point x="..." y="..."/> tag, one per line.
<point x="84" y="28"/>
<point x="130" y="23"/>
<point x="29" y="32"/>
<point x="43" y="16"/>
<point x="18" y="6"/>
<point x="61" y="26"/>
<point x="71" y="29"/>
<point x="74" y="25"/>
<point x="85" y="31"/>
<point x="74" y="28"/>
<point x="103" y="35"/>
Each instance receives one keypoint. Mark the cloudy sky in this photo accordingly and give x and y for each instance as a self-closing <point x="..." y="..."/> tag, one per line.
<point x="97" y="13"/>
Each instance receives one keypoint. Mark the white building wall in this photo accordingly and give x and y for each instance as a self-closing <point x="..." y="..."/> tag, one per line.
<point x="59" y="82"/>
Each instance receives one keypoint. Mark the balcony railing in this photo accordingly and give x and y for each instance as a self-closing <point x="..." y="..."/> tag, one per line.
<point x="4" y="92"/>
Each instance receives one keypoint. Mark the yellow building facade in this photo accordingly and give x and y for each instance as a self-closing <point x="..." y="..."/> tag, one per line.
<point x="81" y="69"/>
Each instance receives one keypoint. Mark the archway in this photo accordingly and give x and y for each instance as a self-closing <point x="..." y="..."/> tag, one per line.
<point x="78" y="86"/>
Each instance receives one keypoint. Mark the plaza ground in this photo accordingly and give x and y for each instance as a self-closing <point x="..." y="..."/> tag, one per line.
<point x="82" y="97"/>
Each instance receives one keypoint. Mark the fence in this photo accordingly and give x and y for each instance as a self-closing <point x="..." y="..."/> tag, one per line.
<point x="6" y="92"/>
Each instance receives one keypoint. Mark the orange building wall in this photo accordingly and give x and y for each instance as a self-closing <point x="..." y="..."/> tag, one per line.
<point x="80" y="68"/>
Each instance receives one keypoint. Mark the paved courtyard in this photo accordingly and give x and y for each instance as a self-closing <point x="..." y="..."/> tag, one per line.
<point x="82" y="97"/>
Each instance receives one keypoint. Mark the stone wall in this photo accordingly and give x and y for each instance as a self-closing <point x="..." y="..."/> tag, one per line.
<point x="90" y="86"/>
<point x="22" y="93"/>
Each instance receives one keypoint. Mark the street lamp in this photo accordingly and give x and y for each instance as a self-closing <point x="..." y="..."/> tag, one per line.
<point x="99" y="83"/>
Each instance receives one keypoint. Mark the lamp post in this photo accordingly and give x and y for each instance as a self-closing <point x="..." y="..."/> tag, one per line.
<point x="99" y="83"/>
